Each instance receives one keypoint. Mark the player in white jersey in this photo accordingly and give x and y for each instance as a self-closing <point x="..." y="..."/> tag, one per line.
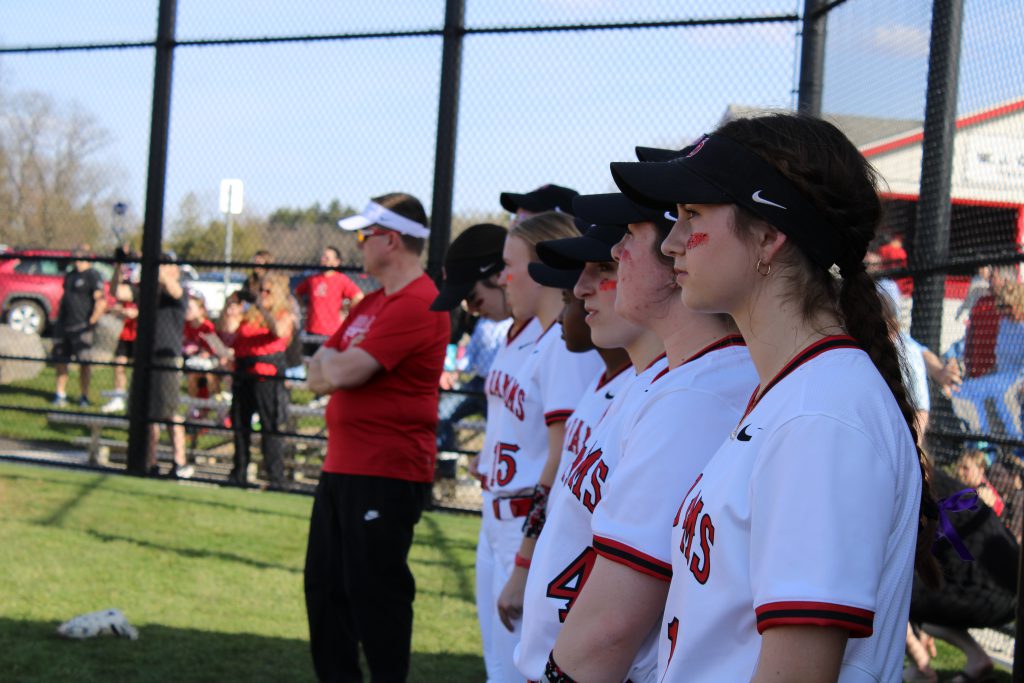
<point x="538" y="383"/>
<point x="605" y="385"/>
<point x="601" y="570"/>
<point x="794" y="549"/>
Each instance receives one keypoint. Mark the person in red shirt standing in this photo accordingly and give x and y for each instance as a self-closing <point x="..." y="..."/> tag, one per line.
<point x="259" y="346"/>
<point x="325" y="294"/>
<point x="381" y="370"/>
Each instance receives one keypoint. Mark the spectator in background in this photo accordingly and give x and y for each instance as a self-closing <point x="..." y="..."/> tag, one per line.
<point x="1001" y="386"/>
<point x="976" y="594"/>
<point x="472" y="264"/>
<point x="970" y="469"/>
<point x="259" y="348"/>
<point x="381" y="369"/>
<point x="199" y="355"/>
<point x="80" y="309"/>
<point x="165" y="380"/>
<point x="921" y="362"/>
<point x="484" y="343"/>
<point x="892" y="253"/>
<point x="127" y="311"/>
<point x="326" y="295"/>
<point x="126" y="263"/>
<point x="983" y="323"/>
<point x="255" y="279"/>
<point x="544" y="198"/>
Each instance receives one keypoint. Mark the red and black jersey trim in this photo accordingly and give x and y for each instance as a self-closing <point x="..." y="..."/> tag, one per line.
<point x="511" y="337"/>
<point x="858" y="622"/>
<point x="839" y="341"/>
<point x="723" y="343"/>
<point x="556" y="416"/>
<point x="605" y="378"/>
<point x="632" y="558"/>
<point x="651" y="364"/>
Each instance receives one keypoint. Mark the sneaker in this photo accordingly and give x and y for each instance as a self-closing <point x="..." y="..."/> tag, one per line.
<point x="153" y="471"/>
<point x="59" y="401"/>
<point x="84" y="402"/>
<point x="115" y="405"/>
<point x="182" y="472"/>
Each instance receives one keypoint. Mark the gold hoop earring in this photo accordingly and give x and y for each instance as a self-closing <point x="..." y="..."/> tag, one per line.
<point x="758" y="268"/>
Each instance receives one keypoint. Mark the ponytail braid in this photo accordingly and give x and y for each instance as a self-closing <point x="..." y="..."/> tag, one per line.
<point x="869" y="321"/>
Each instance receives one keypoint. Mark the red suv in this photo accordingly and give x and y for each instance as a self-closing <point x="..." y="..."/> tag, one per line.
<point x="31" y="289"/>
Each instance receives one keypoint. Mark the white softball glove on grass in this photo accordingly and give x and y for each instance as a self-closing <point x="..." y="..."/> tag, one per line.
<point x="103" y="622"/>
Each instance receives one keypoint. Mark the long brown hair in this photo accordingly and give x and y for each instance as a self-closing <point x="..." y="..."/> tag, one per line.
<point x="828" y="170"/>
<point x="279" y="303"/>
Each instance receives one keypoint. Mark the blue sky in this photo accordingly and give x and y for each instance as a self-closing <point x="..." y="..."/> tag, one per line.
<point x="300" y="123"/>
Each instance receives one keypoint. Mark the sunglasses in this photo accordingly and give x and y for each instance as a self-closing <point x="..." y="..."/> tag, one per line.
<point x="363" y="235"/>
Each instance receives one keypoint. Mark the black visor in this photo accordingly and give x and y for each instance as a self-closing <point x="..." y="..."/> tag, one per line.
<point x="719" y="170"/>
<point x="548" y="276"/>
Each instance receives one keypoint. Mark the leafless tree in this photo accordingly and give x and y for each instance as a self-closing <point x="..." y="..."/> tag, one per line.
<point x="51" y="178"/>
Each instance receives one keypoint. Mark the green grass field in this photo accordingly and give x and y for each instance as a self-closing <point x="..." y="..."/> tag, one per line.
<point x="211" y="577"/>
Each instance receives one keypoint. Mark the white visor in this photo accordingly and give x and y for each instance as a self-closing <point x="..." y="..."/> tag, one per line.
<point x="375" y="214"/>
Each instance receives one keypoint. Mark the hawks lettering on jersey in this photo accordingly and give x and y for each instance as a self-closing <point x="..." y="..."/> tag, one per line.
<point x="506" y="388"/>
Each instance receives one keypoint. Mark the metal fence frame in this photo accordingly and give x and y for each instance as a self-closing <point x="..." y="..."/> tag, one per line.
<point x="929" y="251"/>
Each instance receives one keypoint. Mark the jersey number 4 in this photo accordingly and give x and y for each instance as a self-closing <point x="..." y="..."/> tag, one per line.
<point x="567" y="585"/>
<point x="505" y="463"/>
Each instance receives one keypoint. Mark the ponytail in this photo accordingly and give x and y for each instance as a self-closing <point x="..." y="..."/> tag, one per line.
<point x="869" y="321"/>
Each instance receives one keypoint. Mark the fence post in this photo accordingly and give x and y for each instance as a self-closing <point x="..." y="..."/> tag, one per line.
<point x="152" y="236"/>
<point x="812" y="58"/>
<point x="447" y="128"/>
<point x="930" y="243"/>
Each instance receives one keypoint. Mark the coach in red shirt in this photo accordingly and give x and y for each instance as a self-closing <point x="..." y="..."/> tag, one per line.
<point x="381" y="369"/>
<point x="325" y="293"/>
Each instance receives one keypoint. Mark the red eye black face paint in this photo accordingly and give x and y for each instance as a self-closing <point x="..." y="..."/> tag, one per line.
<point x="697" y="239"/>
<point x="607" y="285"/>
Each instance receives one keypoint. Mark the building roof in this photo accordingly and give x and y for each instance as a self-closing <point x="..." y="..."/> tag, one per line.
<point x="879" y="135"/>
<point x="862" y="130"/>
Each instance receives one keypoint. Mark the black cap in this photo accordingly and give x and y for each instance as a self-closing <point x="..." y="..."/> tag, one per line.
<point x="571" y="253"/>
<point x="549" y="276"/>
<point x="472" y="256"/>
<point x="719" y="170"/>
<point x="544" y="198"/>
<point x="616" y="208"/>
<point x="658" y="154"/>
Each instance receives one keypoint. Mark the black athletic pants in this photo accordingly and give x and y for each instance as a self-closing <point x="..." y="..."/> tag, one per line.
<point x="359" y="588"/>
<point x="269" y="399"/>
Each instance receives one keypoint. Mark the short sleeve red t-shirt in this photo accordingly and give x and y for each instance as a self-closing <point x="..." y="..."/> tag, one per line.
<point x="386" y="427"/>
<point x="980" y="343"/>
<point x="130" y="330"/>
<point x="193" y="338"/>
<point x="324" y="296"/>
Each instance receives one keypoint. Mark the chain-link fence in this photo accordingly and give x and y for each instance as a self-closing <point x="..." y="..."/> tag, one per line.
<point x="316" y="109"/>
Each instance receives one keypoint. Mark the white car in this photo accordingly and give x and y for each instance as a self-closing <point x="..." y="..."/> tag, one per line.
<point x="211" y="286"/>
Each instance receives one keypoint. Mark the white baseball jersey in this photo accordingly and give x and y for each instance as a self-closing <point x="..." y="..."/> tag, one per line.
<point x="510" y="357"/>
<point x="583" y="422"/>
<point x="614" y="501"/>
<point x="807" y="515"/>
<point x="543" y="389"/>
